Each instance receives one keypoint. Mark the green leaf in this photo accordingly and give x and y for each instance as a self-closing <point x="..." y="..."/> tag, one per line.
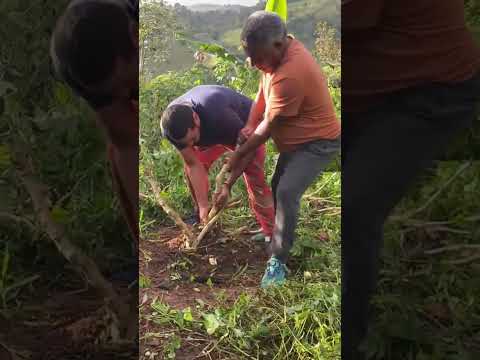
<point x="6" y="261"/>
<point x="144" y="282"/>
<point x="5" y="158"/>
<point x="187" y="314"/>
<point x="173" y="345"/>
<point x="61" y="93"/>
<point x="59" y="215"/>
<point x="211" y="323"/>
<point x="238" y="333"/>
<point x="279" y="7"/>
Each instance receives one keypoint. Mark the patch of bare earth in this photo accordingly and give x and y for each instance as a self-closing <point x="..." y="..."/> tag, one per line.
<point x="61" y="325"/>
<point x="223" y="264"/>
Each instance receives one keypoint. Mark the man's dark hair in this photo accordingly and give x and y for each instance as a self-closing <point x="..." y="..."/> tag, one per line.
<point x="263" y="28"/>
<point x="176" y="120"/>
<point x="88" y="39"/>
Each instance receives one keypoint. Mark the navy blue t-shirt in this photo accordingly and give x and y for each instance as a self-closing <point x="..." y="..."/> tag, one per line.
<point x="223" y="112"/>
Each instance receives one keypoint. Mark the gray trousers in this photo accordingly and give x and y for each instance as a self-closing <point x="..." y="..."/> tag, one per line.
<point x="294" y="173"/>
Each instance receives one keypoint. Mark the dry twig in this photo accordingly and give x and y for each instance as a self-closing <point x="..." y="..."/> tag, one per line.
<point x="193" y="241"/>
<point x="56" y="232"/>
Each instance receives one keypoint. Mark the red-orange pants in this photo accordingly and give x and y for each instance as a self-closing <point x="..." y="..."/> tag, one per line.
<point x="259" y="193"/>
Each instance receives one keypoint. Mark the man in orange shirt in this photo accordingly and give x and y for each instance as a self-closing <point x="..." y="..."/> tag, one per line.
<point x="294" y="107"/>
<point x="410" y="84"/>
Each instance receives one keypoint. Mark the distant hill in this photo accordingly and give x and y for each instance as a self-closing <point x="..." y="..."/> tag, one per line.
<point x="214" y="7"/>
<point x="222" y="24"/>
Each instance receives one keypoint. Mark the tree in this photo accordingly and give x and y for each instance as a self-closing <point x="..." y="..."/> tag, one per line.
<point x="472" y="12"/>
<point x="327" y="44"/>
<point x="158" y="29"/>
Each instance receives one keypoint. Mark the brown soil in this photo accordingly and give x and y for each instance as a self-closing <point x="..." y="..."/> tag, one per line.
<point x="59" y="325"/>
<point x="232" y="263"/>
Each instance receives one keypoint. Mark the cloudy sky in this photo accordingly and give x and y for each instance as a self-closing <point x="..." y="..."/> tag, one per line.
<point x="216" y="2"/>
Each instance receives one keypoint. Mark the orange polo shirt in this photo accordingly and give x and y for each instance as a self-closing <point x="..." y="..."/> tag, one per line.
<point x="297" y="92"/>
<point x="393" y="45"/>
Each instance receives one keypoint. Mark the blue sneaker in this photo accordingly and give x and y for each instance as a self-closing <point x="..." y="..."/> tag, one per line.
<point x="274" y="274"/>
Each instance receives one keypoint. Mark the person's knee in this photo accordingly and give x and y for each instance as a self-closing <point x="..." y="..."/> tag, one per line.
<point x="287" y="194"/>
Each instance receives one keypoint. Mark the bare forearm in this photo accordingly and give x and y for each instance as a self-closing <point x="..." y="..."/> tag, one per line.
<point x="199" y="179"/>
<point x="239" y="169"/>
<point x="245" y="154"/>
<point x="256" y="114"/>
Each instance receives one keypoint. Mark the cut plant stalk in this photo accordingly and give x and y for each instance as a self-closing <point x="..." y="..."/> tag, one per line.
<point x="219" y="180"/>
<point x="191" y="240"/>
<point x="81" y="262"/>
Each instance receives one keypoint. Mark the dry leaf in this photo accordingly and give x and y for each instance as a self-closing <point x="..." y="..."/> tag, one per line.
<point x="440" y="311"/>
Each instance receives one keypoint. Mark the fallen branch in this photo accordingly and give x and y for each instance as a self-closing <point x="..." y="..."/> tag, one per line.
<point x="205" y="230"/>
<point x="333" y="208"/>
<point x="169" y="211"/>
<point x="452" y="248"/>
<point x="219" y="181"/>
<point x="433" y="197"/>
<point x="56" y="232"/>
<point x="463" y="261"/>
<point x="192" y="241"/>
<point x="211" y="222"/>
<point x="11" y="217"/>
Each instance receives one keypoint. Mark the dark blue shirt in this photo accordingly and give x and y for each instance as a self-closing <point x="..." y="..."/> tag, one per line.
<point x="223" y="112"/>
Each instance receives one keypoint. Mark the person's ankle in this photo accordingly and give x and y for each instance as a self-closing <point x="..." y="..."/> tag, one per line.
<point x="193" y="218"/>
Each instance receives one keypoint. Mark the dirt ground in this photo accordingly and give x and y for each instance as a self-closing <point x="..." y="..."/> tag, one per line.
<point x="232" y="263"/>
<point x="59" y="324"/>
<point x="65" y="323"/>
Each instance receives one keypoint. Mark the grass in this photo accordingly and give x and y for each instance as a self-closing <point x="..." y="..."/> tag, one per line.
<point x="231" y="39"/>
<point x="300" y="320"/>
<point x="426" y="305"/>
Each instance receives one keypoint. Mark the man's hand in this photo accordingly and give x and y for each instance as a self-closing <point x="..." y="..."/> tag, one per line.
<point x="221" y="198"/>
<point x="244" y="134"/>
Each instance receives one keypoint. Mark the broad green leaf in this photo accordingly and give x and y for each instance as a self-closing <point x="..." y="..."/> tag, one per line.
<point x="5" y="158"/>
<point x="144" y="282"/>
<point x="279" y="7"/>
<point x="211" y="323"/>
<point x="187" y="314"/>
<point x="61" y="93"/>
<point x="59" y="215"/>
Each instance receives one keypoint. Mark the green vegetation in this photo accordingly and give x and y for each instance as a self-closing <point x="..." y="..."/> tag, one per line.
<point x="41" y="119"/>
<point x="298" y="321"/>
<point x="426" y="306"/>
<point x="49" y="140"/>
<point x="222" y="25"/>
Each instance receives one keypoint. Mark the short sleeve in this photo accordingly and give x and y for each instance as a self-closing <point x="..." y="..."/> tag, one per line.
<point x="285" y="98"/>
